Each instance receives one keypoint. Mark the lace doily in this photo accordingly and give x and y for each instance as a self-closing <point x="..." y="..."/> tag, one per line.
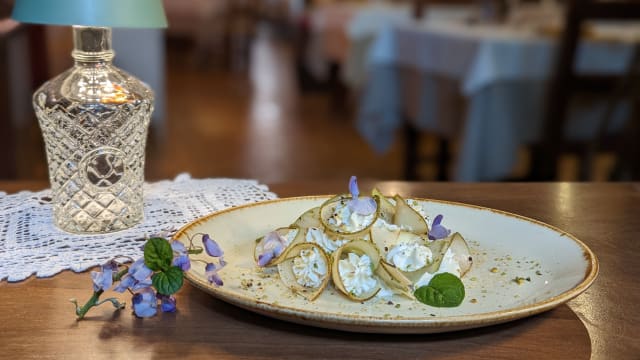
<point x="31" y="244"/>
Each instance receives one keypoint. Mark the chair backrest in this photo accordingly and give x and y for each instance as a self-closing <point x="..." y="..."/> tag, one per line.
<point x="566" y="82"/>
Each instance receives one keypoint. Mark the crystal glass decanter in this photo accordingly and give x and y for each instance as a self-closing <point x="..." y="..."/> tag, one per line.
<point x="94" y="118"/>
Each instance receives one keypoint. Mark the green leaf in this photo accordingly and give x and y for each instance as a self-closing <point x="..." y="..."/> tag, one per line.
<point x="444" y="290"/>
<point x="169" y="281"/>
<point x="158" y="254"/>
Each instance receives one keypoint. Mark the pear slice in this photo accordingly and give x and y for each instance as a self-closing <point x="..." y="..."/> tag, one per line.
<point x="438" y="249"/>
<point x="457" y="246"/>
<point x="310" y="218"/>
<point x="387" y="209"/>
<point x="289" y="241"/>
<point x="383" y="238"/>
<point x="359" y="248"/>
<point x="407" y="217"/>
<point x="461" y="253"/>
<point x="294" y="259"/>
<point x="332" y="207"/>
<point x="395" y="279"/>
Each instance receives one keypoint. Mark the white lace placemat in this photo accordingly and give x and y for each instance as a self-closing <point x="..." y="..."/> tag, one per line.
<point x="31" y="244"/>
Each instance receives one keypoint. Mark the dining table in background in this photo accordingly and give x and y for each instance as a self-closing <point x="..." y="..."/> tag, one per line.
<point x="37" y="320"/>
<point x="341" y="34"/>
<point x="482" y="83"/>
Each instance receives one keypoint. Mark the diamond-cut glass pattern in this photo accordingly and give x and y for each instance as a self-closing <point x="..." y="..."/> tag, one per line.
<point x="95" y="146"/>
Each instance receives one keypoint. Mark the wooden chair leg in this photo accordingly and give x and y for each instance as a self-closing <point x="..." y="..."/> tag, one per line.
<point x="338" y="90"/>
<point x="443" y="158"/>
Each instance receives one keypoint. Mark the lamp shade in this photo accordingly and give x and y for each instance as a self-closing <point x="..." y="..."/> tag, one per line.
<point x="107" y="13"/>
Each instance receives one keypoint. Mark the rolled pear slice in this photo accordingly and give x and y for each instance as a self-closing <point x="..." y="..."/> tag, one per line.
<point x="289" y="241"/>
<point x="395" y="280"/>
<point x="360" y="248"/>
<point x="383" y="238"/>
<point x="408" y="237"/>
<point x="311" y="218"/>
<point x="461" y="253"/>
<point x="407" y="217"/>
<point x="332" y="207"/>
<point x="301" y="282"/>
<point x="438" y="249"/>
<point x="387" y="209"/>
<point x="458" y="247"/>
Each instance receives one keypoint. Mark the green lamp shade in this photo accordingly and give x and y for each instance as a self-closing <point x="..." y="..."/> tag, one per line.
<point x="108" y="13"/>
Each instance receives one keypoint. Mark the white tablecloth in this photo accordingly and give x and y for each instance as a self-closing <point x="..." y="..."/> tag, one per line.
<point x="500" y="70"/>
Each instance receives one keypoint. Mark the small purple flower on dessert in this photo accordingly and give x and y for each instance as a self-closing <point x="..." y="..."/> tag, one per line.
<point x="167" y="303"/>
<point x="211" y="272"/>
<point x="139" y="270"/>
<point x="211" y="247"/>
<point x="360" y="205"/>
<point x="438" y="231"/>
<point x="272" y="246"/>
<point x="145" y="303"/>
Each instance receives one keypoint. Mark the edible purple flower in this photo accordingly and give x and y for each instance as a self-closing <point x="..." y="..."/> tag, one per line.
<point x="178" y="247"/>
<point x="211" y="247"/>
<point x="361" y="205"/>
<point x="139" y="285"/>
<point x="438" y="231"/>
<point x="126" y="282"/>
<point x="167" y="303"/>
<point x="103" y="280"/>
<point x="183" y="262"/>
<point x="129" y="282"/>
<point x="145" y="303"/>
<point x="139" y="270"/>
<point x="273" y="246"/>
<point x="211" y="272"/>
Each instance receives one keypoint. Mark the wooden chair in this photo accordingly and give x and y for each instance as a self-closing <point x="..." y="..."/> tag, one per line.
<point x="412" y="136"/>
<point x="567" y="83"/>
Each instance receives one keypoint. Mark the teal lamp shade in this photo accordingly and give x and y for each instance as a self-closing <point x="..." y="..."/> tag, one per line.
<point x="102" y="13"/>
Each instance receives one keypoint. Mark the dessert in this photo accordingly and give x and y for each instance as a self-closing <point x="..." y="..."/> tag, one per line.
<point x="369" y="247"/>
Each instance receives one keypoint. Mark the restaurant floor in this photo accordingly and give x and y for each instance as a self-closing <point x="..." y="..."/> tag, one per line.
<point x="253" y="122"/>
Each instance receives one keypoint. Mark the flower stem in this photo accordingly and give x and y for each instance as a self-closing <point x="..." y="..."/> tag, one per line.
<point x="82" y="311"/>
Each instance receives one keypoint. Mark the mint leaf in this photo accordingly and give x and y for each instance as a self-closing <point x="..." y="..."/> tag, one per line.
<point x="169" y="281"/>
<point x="158" y="254"/>
<point x="444" y="290"/>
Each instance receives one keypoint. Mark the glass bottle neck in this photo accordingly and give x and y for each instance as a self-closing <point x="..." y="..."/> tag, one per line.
<point x="92" y="45"/>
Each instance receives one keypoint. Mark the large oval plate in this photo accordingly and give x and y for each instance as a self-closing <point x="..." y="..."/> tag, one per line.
<point x="552" y="267"/>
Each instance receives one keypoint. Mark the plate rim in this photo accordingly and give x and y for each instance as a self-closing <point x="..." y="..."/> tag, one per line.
<point x="377" y="324"/>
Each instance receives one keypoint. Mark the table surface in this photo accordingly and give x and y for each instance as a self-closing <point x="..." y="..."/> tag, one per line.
<point x="37" y="321"/>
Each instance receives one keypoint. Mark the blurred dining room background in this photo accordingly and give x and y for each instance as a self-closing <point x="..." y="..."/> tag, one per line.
<point x="286" y="90"/>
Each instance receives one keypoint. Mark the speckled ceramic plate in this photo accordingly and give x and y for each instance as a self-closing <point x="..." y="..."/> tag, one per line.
<point x="553" y="266"/>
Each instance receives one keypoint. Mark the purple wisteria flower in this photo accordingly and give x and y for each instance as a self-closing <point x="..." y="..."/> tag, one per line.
<point x="103" y="280"/>
<point x="139" y="270"/>
<point x="178" y="247"/>
<point x="438" y="231"/>
<point x="167" y="303"/>
<point x="129" y="282"/>
<point x="146" y="284"/>
<point x="360" y="205"/>
<point x="145" y="303"/>
<point x="182" y="261"/>
<point x="211" y="272"/>
<point x="211" y="247"/>
<point x="273" y="245"/>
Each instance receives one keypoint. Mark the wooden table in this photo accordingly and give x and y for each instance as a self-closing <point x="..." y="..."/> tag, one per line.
<point x="37" y="321"/>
